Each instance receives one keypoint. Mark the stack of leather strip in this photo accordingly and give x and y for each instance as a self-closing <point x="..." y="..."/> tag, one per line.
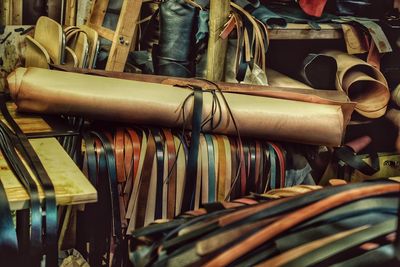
<point x="142" y="175"/>
<point x="350" y="225"/>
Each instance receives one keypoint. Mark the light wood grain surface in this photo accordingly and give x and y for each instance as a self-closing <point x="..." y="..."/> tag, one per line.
<point x="71" y="186"/>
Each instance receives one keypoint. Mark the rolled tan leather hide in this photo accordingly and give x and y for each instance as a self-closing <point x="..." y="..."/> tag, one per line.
<point x="363" y="84"/>
<point x="56" y="92"/>
<point x="278" y="79"/>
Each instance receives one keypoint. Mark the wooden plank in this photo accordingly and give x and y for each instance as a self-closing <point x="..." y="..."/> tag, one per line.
<point x="304" y="32"/>
<point x="71" y="186"/>
<point x="5" y="12"/>
<point x="17" y="12"/>
<point x="83" y="12"/>
<point x="103" y="32"/>
<point x="99" y="10"/>
<point x="70" y="13"/>
<point x="124" y="35"/>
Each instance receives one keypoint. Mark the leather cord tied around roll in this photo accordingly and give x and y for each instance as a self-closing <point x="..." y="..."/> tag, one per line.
<point x="363" y="84"/>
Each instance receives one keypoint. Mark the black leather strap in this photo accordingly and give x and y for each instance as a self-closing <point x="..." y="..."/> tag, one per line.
<point x="347" y="155"/>
<point x="8" y="237"/>
<point x="191" y="170"/>
<point x="113" y="189"/>
<point x="160" y="172"/>
<point x="49" y="207"/>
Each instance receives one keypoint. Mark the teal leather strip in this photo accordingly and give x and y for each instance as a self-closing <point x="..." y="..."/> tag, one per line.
<point x="211" y="169"/>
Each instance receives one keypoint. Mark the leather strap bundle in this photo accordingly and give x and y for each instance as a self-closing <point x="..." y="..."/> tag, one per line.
<point x="35" y="238"/>
<point x="153" y="168"/>
<point x="335" y="225"/>
<point x="307" y="119"/>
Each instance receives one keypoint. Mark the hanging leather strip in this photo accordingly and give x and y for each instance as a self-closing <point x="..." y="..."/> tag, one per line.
<point x="8" y="238"/>
<point x="50" y="208"/>
<point x="191" y="171"/>
<point x="204" y="169"/>
<point x="221" y="168"/>
<point x="8" y="141"/>
<point x="144" y="182"/>
<point x="211" y="169"/>
<point x="113" y="189"/>
<point x="160" y="171"/>
<point x="170" y="180"/>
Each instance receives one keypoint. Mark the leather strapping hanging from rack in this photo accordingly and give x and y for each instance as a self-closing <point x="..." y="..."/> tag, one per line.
<point x="50" y="208"/>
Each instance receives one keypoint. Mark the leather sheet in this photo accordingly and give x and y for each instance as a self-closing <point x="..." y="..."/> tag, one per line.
<point x="55" y="92"/>
<point x="363" y="84"/>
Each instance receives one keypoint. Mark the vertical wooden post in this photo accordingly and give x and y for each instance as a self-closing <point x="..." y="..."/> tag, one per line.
<point x="16" y="12"/>
<point x="216" y="52"/>
<point x="124" y="35"/>
<point x="70" y="12"/>
<point x="5" y="12"/>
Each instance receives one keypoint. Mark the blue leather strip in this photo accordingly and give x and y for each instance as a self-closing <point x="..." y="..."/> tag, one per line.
<point x="272" y="158"/>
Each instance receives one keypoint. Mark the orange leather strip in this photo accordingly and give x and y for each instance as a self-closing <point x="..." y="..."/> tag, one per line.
<point x="119" y="147"/>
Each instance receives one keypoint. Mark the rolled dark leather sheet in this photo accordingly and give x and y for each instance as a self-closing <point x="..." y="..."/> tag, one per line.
<point x="54" y="92"/>
<point x="363" y="84"/>
<point x="319" y="71"/>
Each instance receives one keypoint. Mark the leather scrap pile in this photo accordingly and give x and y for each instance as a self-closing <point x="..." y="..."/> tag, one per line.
<point x="214" y="132"/>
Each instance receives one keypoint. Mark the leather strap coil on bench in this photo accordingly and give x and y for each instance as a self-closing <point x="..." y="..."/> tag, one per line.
<point x="49" y="208"/>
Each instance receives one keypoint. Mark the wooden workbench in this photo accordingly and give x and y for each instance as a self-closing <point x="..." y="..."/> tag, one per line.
<point x="71" y="186"/>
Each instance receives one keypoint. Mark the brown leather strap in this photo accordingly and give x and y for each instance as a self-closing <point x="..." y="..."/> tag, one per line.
<point x="171" y="179"/>
<point x="132" y="205"/>
<point x="294" y="218"/>
<point x="258" y="167"/>
<point x="235" y="191"/>
<point x="119" y="151"/>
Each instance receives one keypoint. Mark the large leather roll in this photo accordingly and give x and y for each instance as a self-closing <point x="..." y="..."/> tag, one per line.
<point x="363" y="84"/>
<point x="55" y="92"/>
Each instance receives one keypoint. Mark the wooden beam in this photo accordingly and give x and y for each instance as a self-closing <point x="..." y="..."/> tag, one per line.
<point x="217" y="47"/>
<point x="305" y="32"/>
<point x="16" y="12"/>
<point x="103" y="32"/>
<point x="99" y="10"/>
<point x="70" y="13"/>
<point x="124" y="35"/>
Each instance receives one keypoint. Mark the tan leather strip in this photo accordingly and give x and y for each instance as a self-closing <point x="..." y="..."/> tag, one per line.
<point x="297" y="217"/>
<point x="150" y="205"/>
<point x="221" y="168"/>
<point x="171" y="178"/>
<point x="145" y="179"/>
<point x="197" y="195"/>
<point x="292" y="254"/>
<point x="228" y="168"/>
<point x="217" y="159"/>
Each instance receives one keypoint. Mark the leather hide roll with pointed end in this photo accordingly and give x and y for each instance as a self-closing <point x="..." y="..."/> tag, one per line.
<point x="55" y="92"/>
<point x="363" y="84"/>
